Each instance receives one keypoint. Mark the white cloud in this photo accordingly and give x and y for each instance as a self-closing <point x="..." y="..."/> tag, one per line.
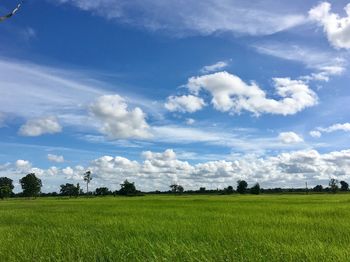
<point x="232" y="94"/>
<point x="158" y="170"/>
<point x="315" y="134"/>
<point x="337" y="28"/>
<point x="214" y="67"/>
<point x="118" y="122"/>
<point x="40" y="126"/>
<point x="325" y="64"/>
<point x="190" y="121"/>
<point x="55" y="91"/>
<point x="193" y="17"/>
<point x="23" y="164"/>
<point x="336" y="127"/>
<point x="290" y="138"/>
<point x="333" y="128"/>
<point x="55" y="158"/>
<point x="239" y="140"/>
<point x="185" y="103"/>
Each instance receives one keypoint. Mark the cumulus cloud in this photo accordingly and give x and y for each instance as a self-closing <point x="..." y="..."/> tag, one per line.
<point x="157" y="170"/>
<point x="40" y="126"/>
<point x="119" y="122"/>
<point x="55" y="158"/>
<point x="232" y="94"/>
<point x="23" y="164"/>
<point x="336" y="28"/>
<point x="185" y="103"/>
<point x="290" y="138"/>
<point x="204" y="17"/>
<point x="214" y="67"/>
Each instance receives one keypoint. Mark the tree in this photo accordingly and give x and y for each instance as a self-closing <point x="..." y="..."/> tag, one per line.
<point x="333" y="183"/>
<point x="344" y="186"/>
<point x="70" y="190"/>
<point x="242" y="186"/>
<point x="87" y="179"/>
<point x="229" y="190"/>
<point x="175" y="188"/>
<point x="318" y="188"/>
<point x="255" y="189"/>
<point x="102" y="191"/>
<point x="31" y="185"/>
<point x="6" y="187"/>
<point x="202" y="189"/>
<point x="127" y="188"/>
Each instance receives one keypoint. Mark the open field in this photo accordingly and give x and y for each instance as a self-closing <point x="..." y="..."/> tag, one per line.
<point x="177" y="228"/>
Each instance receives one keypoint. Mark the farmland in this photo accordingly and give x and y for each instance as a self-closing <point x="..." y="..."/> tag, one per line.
<point x="177" y="228"/>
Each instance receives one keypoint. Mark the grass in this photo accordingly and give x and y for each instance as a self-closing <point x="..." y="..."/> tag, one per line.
<point x="177" y="228"/>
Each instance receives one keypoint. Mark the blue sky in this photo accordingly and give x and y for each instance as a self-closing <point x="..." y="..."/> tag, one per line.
<point x="200" y="94"/>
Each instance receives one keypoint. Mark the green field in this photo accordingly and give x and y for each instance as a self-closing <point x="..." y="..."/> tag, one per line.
<point x="177" y="228"/>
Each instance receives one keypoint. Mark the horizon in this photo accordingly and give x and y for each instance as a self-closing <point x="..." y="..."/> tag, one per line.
<point x="136" y="91"/>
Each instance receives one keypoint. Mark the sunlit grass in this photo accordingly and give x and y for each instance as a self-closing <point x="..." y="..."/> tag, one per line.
<point x="177" y="228"/>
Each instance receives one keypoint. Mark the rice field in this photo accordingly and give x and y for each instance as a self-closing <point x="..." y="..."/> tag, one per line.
<point x="177" y="228"/>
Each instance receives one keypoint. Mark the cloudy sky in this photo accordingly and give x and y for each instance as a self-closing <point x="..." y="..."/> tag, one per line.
<point x="200" y="93"/>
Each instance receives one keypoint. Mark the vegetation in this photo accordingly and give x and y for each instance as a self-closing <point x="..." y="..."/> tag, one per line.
<point x="242" y="186"/>
<point x="70" y="190"/>
<point x="102" y="191"/>
<point x="127" y="189"/>
<point x="177" y="189"/>
<point x="6" y="187"/>
<point x="177" y="228"/>
<point x="255" y="189"/>
<point x="31" y="185"/>
<point x="87" y="179"/>
<point x="333" y="184"/>
<point x="344" y="186"/>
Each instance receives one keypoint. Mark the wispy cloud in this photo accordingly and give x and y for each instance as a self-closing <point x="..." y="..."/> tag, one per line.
<point x="29" y="90"/>
<point x="324" y="63"/>
<point x="214" y="67"/>
<point x="345" y="127"/>
<point x="196" y="17"/>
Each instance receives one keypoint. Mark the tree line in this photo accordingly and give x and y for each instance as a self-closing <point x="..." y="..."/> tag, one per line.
<point x="31" y="187"/>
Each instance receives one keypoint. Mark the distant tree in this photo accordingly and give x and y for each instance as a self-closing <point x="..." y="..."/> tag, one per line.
<point x="229" y="190"/>
<point x="70" y="190"/>
<point x="202" y="189"/>
<point x="87" y="179"/>
<point x="175" y="188"/>
<point x="102" y="191"/>
<point x="333" y="184"/>
<point x="242" y="186"/>
<point x="6" y="187"/>
<point x="344" y="186"/>
<point x="127" y="188"/>
<point x="318" y="188"/>
<point x="255" y="189"/>
<point x="31" y="185"/>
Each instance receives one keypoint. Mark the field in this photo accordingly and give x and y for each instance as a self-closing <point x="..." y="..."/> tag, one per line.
<point x="177" y="228"/>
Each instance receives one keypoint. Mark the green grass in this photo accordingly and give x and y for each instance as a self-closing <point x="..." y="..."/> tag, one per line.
<point x="177" y="228"/>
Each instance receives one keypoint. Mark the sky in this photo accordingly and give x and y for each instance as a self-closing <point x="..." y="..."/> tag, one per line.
<point x="199" y="93"/>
